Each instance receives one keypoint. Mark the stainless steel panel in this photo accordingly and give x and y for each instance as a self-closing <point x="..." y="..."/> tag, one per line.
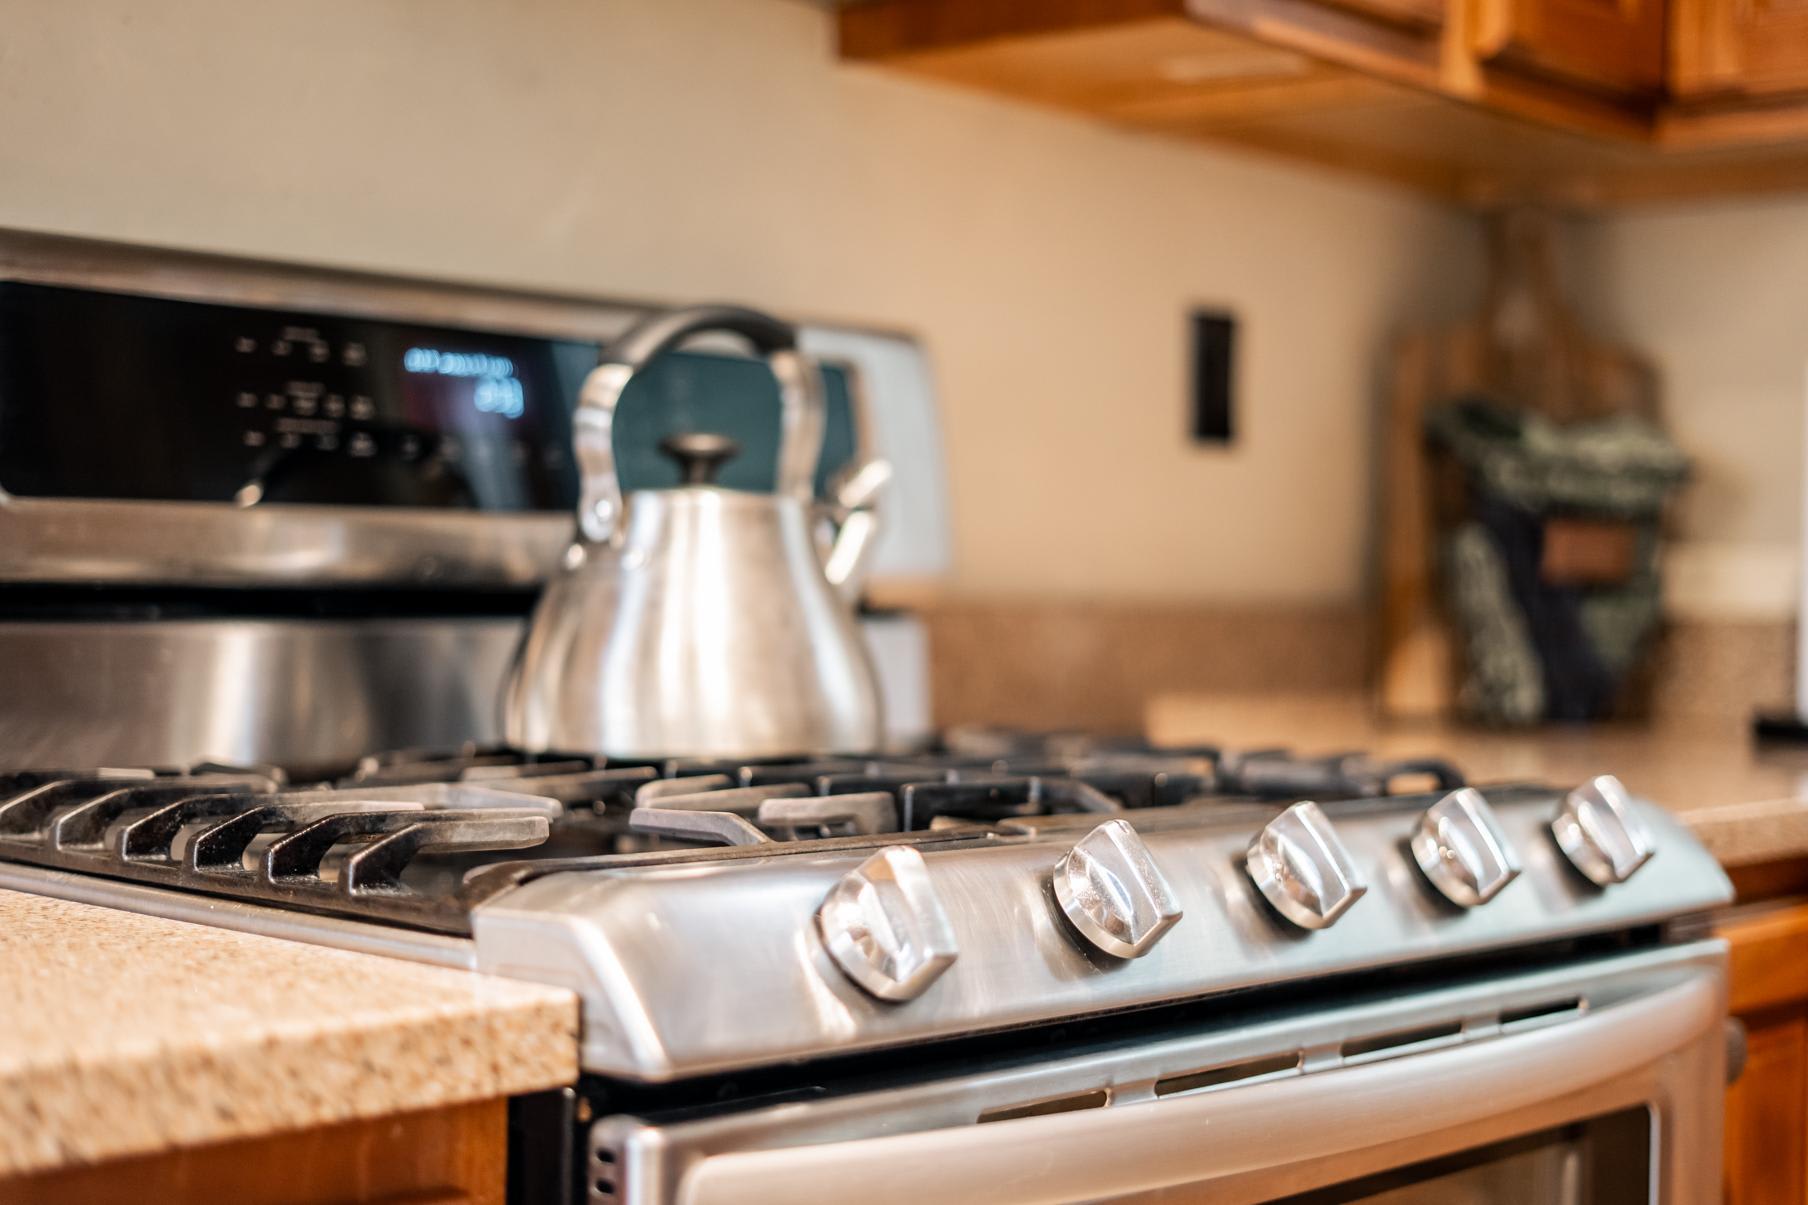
<point x="899" y="646"/>
<point x="55" y="540"/>
<point x="916" y="540"/>
<point x="192" y="276"/>
<point x="213" y="544"/>
<point x="1248" y="1107"/>
<point x="289" y="692"/>
<point x="631" y="942"/>
<point x="391" y="941"/>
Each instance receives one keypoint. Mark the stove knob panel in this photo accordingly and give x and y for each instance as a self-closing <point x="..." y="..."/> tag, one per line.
<point x="1461" y="849"/>
<point x="1109" y="886"/>
<point x="885" y="928"/>
<point x="1302" y="867"/>
<point x="1600" y="833"/>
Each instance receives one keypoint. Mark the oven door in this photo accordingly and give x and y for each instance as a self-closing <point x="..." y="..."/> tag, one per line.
<point x="1594" y="1082"/>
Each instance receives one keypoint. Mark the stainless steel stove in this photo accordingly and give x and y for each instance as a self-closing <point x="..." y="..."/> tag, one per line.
<point x="799" y="976"/>
<point x="989" y="967"/>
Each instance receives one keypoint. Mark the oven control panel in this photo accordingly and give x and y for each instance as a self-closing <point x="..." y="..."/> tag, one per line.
<point x="130" y="397"/>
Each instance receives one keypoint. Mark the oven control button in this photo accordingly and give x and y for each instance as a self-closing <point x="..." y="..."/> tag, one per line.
<point x="884" y="926"/>
<point x="1303" y="869"/>
<point x="1601" y="834"/>
<point x="1461" y="849"/>
<point x="1111" y="889"/>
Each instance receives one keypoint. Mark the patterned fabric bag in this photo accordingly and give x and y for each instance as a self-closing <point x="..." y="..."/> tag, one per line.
<point x="1551" y="564"/>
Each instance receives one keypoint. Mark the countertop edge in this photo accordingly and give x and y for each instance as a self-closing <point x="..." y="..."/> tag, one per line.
<point x="242" y="1039"/>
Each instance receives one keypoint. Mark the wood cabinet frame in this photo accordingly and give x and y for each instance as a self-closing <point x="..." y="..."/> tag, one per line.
<point x="1573" y="102"/>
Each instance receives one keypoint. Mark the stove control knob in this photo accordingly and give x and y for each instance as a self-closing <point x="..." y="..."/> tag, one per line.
<point x="1302" y="867"/>
<point x="884" y="926"/>
<point x="1111" y="889"/>
<point x="1601" y="834"/>
<point x="1461" y="849"/>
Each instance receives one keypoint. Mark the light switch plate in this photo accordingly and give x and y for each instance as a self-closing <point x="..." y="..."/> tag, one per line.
<point x="1214" y="337"/>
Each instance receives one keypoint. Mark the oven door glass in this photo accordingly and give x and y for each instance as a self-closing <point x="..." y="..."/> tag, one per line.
<point x="1604" y="1161"/>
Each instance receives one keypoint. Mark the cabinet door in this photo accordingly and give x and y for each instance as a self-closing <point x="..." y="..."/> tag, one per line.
<point x="1767" y="1114"/>
<point x="1611" y="45"/>
<point x="1766" y="1157"/>
<point x="452" y="1155"/>
<point x="1755" y="47"/>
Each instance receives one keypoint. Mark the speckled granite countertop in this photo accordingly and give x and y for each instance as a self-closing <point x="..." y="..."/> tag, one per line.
<point x="123" y="1034"/>
<point x="1747" y="803"/>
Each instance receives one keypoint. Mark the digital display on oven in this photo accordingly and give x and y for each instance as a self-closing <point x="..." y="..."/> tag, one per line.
<point x="108" y="395"/>
<point x="460" y="383"/>
<point x="120" y="396"/>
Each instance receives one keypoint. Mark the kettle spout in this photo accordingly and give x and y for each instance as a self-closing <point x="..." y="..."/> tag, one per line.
<point x="853" y="509"/>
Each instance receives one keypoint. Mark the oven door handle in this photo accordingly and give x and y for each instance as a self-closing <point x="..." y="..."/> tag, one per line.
<point x="1235" y="1138"/>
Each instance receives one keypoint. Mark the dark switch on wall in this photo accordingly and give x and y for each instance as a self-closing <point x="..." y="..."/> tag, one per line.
<point x="1214" y="346"/>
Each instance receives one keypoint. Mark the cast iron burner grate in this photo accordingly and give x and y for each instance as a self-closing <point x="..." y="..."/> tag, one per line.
<point x="420" y="837"/>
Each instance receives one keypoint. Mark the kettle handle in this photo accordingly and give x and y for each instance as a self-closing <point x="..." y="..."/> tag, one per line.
<point x="800" y="396"/>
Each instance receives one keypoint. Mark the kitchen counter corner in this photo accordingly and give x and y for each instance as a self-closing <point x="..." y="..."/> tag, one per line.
<point x="123" y="1034"/>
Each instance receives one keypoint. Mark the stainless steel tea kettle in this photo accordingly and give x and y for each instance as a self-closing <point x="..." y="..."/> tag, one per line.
<point x="700" y="621"/>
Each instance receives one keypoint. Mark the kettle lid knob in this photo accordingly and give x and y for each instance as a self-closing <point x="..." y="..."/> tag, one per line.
<point x="699" y="455"/>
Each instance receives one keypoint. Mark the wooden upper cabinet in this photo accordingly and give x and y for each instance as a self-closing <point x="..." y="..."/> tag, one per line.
<point x="1567" y="102"/>
<point x="1611" y="45"/>
<point x="1428" y="14"/>
<point x="1733" y="47"/>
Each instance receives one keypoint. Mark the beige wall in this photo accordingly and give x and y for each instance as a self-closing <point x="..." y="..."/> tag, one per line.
<point x="689" y="149"/>
<point x="1717" y="294"/>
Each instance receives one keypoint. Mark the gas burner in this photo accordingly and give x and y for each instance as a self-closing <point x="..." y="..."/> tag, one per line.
<point x="421" y="836"/>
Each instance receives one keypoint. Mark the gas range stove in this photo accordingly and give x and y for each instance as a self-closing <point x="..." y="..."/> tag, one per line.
<point x="1000" y="881"/>
<point x="797" y="976"/>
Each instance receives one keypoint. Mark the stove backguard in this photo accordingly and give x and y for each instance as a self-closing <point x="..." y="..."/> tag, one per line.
<point x="188" y="420"/>
<point x="266" y="512"/>
<point x="304" y="690"/>
<point x="290" y="691"/>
